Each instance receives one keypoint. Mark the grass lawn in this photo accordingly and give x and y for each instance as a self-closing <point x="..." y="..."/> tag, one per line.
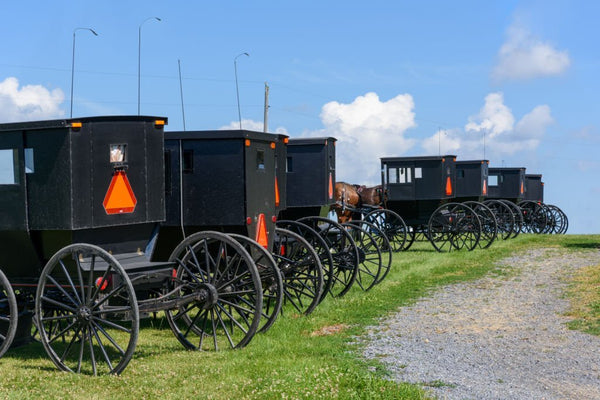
<point x="299" y="358"/>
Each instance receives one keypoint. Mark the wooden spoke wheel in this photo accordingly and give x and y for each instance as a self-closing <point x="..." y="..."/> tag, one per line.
<point x="301" y="271"/>
<point x="8" y="314"/>
<point x="454" y="226"/>
<point x="489" y="226"/>
<point x="559" y="223"/>
<point x="220" y="292"/>
<point x="384" y="247"/>
<point x="343" y="251"/>
<point x="86" y="311"/>
<point x="392" y="225"/>
<point x="319" y="245"/>
<point x="518" y="217"/>
<point x="535" y="216"/>
<point x="370" y="260"/>
<point x="504" y="217"/>
<point x="270" y="279"/>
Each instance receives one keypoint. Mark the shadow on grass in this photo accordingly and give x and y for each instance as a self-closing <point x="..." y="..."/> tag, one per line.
<point x="581" y="245"/>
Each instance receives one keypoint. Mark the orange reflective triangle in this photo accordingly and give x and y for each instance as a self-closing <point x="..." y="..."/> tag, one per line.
<point x="448" y="187"/>
<point x="119" y="198"/>
<point x="276" y="193"/>
<point x="330" y="191"/>
<point x="485" y="187"/>
<point x="522" y="187"/>
<point x="261" y="232"/>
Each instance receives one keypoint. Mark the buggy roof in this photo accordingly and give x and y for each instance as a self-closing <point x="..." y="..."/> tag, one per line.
<point x="416" y="158"/>
<point x="224" y="134"/>
<point x="468" y="162"/>
<point x="305" y="141"/>
<point x="506" y="169"/>
<point x="66" y="123"/>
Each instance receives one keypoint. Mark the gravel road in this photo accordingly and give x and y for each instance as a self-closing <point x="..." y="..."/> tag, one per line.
<point x="500" y="337"/>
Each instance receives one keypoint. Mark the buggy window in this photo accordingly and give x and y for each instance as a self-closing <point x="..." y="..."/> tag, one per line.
<point x="418" y="173"/>
<point x="289" y="165"/>
<point x="8" y="167"/>
<point x="260" y="159"/>
<point x="404" y="175"/>
<point x="118" y="153"/>
<point x="168" y="182"/>
<point x="188" y="161"/>
<point x="493" y="180"/>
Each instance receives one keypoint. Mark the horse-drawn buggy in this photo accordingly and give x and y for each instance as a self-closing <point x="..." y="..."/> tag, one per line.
<point x="82" y="208"/>
<point x="541" y="217"/>
<point x="421" y="191"/>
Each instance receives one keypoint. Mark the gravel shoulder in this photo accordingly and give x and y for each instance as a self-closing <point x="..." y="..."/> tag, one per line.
<point x="499" y="337"/>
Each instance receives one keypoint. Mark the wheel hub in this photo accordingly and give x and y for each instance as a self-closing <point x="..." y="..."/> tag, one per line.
<point x="207" y="296"/>
<point x="84" y="314"/>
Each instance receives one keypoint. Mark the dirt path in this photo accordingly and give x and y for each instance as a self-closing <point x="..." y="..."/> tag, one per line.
<point x="500" y="337"/>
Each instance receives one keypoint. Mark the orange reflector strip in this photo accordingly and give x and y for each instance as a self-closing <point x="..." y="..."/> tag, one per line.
<point x="485" y="187"/>
<point x="522" y="191"/>
<point x="159" y="122"/>
<point x="119" y="197"/>
<point x="247" y="142"/>
<point x="276" y="193"/>
<point x="261" y="232"/>
<point x="76" y="125"/>
<point x="330" y="189"/>
<point x="448" y="187"/>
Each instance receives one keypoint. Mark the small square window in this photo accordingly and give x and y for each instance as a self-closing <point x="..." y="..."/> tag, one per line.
<point x="418" y="173"/>
<point x="289" y="165"/>
<point x="29" y="165"/>
<point x="118" y="153"/>
<point x="493" y="180"/>
<point x="8" y="167"/>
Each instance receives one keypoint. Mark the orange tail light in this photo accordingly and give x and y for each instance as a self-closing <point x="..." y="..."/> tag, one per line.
<point x="448" y="186"/>
<point x="484" y="187"/>
<point x="522" y="188"/>
<point x="276" y="193"/>
<point x="330" y="192"/>
<point x="261" y="232"/>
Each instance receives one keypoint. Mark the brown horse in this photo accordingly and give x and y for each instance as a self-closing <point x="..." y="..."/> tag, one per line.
<point x="349" y="198"/>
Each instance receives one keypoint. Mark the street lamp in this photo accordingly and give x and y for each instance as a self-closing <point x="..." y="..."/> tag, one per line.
<point x="73" y="63"/>
<point x="140" y="54"/>
<point x="237" y="90"/>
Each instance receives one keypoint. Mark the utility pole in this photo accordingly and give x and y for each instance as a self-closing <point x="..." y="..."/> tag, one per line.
<point x="266" y="118"/>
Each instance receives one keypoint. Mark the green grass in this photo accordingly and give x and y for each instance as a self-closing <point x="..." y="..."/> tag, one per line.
<point x="296" y="359"/>
<point x="584" y="297"/>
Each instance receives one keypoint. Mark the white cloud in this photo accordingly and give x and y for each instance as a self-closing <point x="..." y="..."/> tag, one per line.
<point x="496" y="122"/>
<point x="523" y="56"/>
<point x="367" y="129"/>
<point x="251" y="125"/>
<point x="30" y="102"/>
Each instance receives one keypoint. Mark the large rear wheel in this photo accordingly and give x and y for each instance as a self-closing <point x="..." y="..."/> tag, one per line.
<point x="86" y="311"/>
<point x="8" y="314"/>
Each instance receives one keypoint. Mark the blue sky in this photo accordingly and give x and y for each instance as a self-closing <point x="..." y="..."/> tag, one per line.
<point x="386" y="78"/>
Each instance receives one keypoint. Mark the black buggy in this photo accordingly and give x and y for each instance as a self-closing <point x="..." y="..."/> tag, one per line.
<point x="81" y="207"/>
<point x="421" y="191"/>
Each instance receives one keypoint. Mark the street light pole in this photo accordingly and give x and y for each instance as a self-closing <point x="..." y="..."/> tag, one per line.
<point x="73" y="63"/>
<point x="237" y="91"/>
<point x="140" y="55"/>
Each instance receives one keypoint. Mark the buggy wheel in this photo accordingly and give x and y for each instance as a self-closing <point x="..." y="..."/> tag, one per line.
<point x="453" y="226"/>
<point x="504" y="217"/>
<point x="518" y="217"/>
<point x="320" y="246"/>
<point x="392" y="225"/>
<point x="86" y="311"/>
<point x="223" y="286"/>
<point x="343" y="250"/>
<point x="384" y="247"/>
<point x="8" y="314"/>
<point x="489" y="226"/>
<point x="270" y="279"/>
<point x="301" y="270"/>
<point x="559" y="221"/>
<point x="535" y="216"/>
<point x="411" y="236"/>
<point x="369" y="261"/>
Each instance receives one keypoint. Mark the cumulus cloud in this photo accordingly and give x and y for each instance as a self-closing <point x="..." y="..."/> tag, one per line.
<point x="29" y="102"/>
<point x="367" y="129"/>
<point x="496" y="122"/>
<point x="524" y="56"/>
<point x="251" y="125"/>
